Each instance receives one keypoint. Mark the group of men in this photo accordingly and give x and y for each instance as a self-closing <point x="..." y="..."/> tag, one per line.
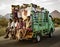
<point x="18" y="27"/>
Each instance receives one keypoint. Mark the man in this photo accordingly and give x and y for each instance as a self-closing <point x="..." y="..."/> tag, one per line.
<point x="28" y="24"/>
<point x="14" y="28"/>
<point x="28" y="28"/>
<point x="21" y="30"/>
<point x="8" y="28"/>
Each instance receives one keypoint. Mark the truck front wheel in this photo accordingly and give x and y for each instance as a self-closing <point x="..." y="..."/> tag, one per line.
<point x="37" y="39"/>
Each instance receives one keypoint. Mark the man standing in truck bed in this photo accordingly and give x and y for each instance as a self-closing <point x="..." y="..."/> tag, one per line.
<point x="28" y="24"/>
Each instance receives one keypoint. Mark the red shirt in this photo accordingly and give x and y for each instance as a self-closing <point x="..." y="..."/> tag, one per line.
<point x="22" y="24"/>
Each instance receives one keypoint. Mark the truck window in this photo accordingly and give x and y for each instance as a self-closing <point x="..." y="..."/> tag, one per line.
<point x="39" y="16"/>
<point x="34" y="17"/>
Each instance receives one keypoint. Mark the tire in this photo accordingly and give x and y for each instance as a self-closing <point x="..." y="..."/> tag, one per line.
<point x="51" y="33"/>
<point x="37" y="39"/>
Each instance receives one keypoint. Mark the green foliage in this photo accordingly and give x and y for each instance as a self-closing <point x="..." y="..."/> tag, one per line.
<point x="3" y="25"/>
<point x="57" y="21"/>
<point x="3" y="22"/>
<point x="2" y="30"/>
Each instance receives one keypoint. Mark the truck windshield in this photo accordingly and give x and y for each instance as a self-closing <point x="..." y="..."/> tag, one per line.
<point x="38" y="16"/>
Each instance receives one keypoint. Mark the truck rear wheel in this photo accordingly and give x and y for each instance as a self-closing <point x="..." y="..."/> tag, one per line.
<point x="51" y="33"/>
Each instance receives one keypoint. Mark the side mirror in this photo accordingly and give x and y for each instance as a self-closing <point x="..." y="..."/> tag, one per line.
<point x="53" y="20"/>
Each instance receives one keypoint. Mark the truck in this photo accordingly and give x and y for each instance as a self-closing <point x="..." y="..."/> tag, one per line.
<point x="42" y="25"/>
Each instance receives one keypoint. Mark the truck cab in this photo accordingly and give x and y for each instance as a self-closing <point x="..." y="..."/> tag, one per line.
<point x="42" y="24"/>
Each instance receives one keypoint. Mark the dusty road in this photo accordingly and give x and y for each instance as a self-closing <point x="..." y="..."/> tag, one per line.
<point x="46" y="42"/>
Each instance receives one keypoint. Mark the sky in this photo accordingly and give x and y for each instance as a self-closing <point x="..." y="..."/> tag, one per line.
<point x="51" y="5"/>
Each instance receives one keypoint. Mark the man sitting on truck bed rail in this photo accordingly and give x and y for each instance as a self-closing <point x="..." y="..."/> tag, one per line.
<point x="8" y="28"/>
<point x="21" y="31"/>
<point x="25" y="26"/>
<point x="28" y="24"/>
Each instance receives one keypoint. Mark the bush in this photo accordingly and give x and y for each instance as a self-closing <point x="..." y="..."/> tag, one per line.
<point x="3" y="25"/>
<point x="57" y="21"/>
<point x="3" y="22"/>
<point x="2" y="30"/>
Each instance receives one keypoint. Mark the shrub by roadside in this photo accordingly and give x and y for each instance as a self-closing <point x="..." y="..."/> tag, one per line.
<point x="3" y="25"/>
<point x="2" y="31"/>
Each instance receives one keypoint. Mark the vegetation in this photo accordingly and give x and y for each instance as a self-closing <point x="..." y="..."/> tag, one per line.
<point x="3" y="25"/>
<point x="3" y="22"/>
<point x="2" y="31"/>
<point x="57" y="22"/>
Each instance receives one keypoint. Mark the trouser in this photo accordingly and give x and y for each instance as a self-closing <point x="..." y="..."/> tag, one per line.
<point x="20" y="33"/>
<point x="28" y="30"/>
<point x="7" y="32"/>
<point x="13" y="33"/>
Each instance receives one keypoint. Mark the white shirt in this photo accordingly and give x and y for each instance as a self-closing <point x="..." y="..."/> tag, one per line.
<point x="9" y="24"/>
<point x="13" y="24"/>
<point x="19" y="15"/>
<point x="17" y="25"/>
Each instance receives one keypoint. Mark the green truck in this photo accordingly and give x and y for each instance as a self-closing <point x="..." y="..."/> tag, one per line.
<point x="42" y="24"/>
